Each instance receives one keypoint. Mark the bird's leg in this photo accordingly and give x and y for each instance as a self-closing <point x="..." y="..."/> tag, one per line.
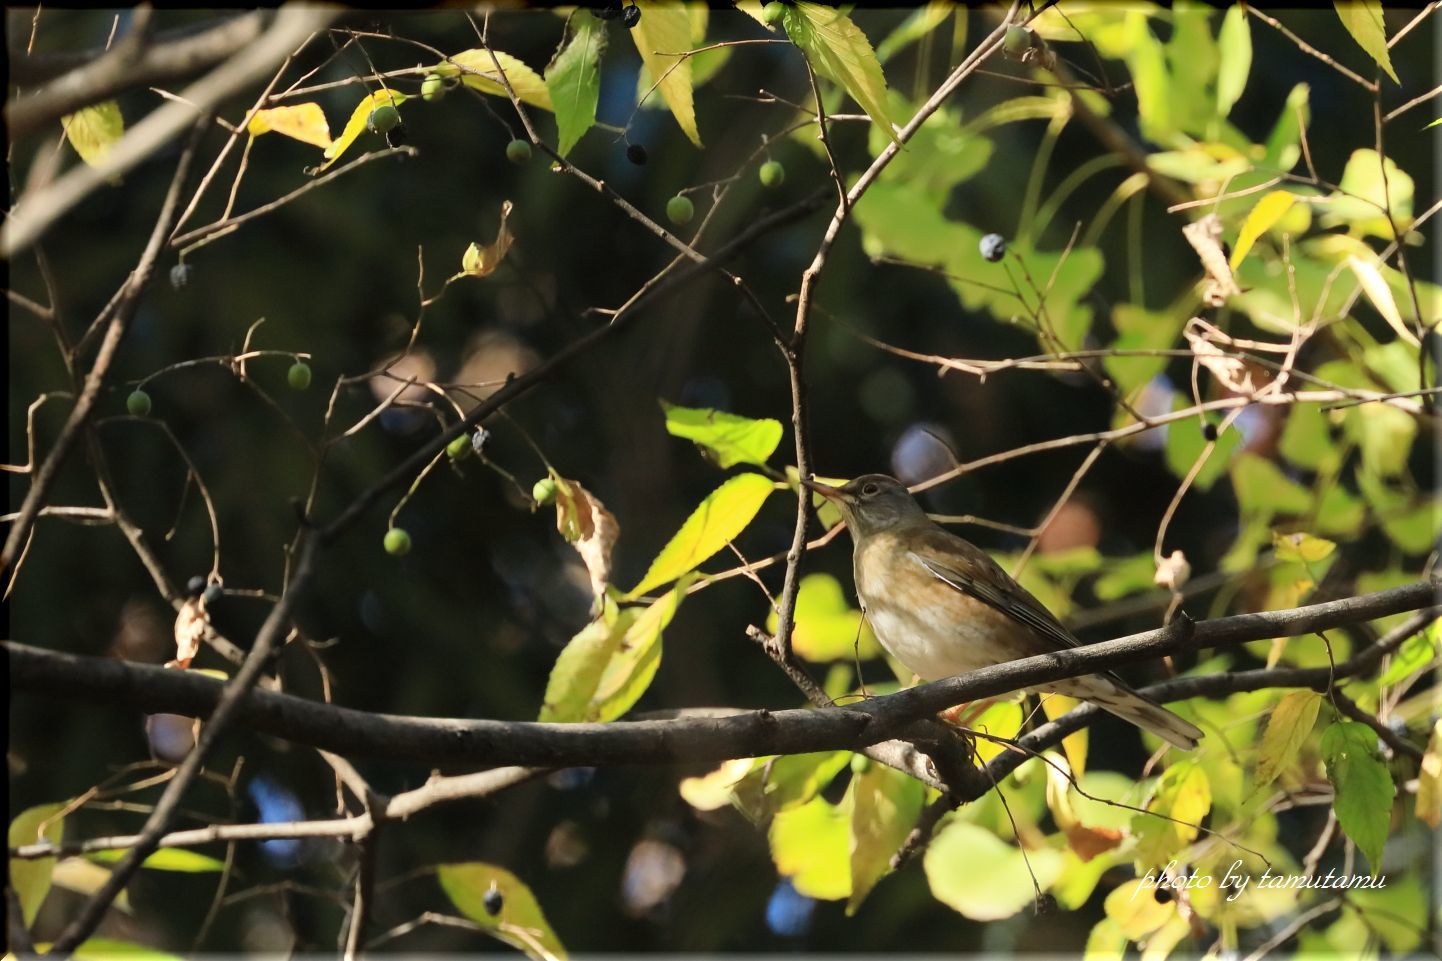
<point x="963" y="714"/>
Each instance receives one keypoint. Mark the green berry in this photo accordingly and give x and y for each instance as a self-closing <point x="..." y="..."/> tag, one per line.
<point x="772" y="174"/>
<point x="545" y="491"/>
<point x="772" y="11"/>
<point x="138" y="403"/>
<point x="518" y="151"/>
<point x="1017" y="42"/>
<point x="383" y="119"/>
<point x="680" y="210"/>
<point x="299" y="375"/>
<point x="397" y="542"/>
<point x="459" y="447"/>
<point x="433" y="88"/>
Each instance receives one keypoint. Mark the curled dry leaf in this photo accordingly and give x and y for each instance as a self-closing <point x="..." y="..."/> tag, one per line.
<point x="1205" y="236"/>
<point x="192" y="625"/>
<point x="584" y="521"/>
<point x="481" y="261"/>
<point x="1173" y="571"/>
<point x="1233" y="373"/>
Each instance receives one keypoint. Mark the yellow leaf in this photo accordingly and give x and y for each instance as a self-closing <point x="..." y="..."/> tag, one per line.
<point x="1364" y="22"/>
<point x="712" y="791"/>
<point x="1429" y="782"/>
<point x="481" y="261"/>
<point x="1263" y="217"/>
<point x="1075" y="745"/>
<point x="477" y="70"/>
<point x="302" y="121"/>
<point x="31" y="878"/>
<point x="811" y="845"/>
<point x="1380" y="294"/>
<point x="715" y="522"/>
<point x="1134" y="907"/>
<point x="1287" y="730"/>
<point x="665" y="28"/>
<point x="93" y="130"/>
<point x="1302" y="547"/>
<point x="356" y="125"/>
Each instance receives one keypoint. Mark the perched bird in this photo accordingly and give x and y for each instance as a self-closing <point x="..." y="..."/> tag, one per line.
<point x="941" y="606"/>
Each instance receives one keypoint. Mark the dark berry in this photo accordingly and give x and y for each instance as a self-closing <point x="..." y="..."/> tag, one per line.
<point x="631" y="16"/>
<point x="396" y="136"/>
<point x="479" y="438"/>
<point x="609" y="10"/>
<point x="397" y="542"/>
<point x="1045" y="904"/>
<point x="680" y="210"/>
<point x="138" y="403"/>
<point x="772" y="174"/>
<point x="1209" y="431"/>
<point x="195" y="586"/>
<point x="636" y="154"/>
<point x="299" y="375"/>
<point x="993" y="247"/>
<point x="179" y="276"/>
<point x="518" y="151"/>
<point x="213" y="593"/>
<point x="383" y="118"/>
<point x="1163" y="895"/>
<point x="493" y="901"/>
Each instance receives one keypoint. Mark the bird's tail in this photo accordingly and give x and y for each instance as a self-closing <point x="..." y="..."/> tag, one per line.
<point x="1127" y="704"/>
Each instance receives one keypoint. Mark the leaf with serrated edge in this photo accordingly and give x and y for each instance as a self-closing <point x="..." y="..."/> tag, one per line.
<point x="665" y="28"/>
<point x="1287" y="730"/>
<point x="1363" y="20"/>
<point x="718" y="519"/>
<point x="477" y="70"/>
<point x="574" y="81"/>
<point x="1363" y="787"/>
<point x="839" y="51"/>
<point x="732" y="438"/>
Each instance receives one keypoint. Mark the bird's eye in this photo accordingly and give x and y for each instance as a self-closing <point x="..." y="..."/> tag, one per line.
<point x="870" y="490"/>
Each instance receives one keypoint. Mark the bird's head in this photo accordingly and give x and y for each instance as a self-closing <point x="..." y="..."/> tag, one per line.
<point x="872" y="503"/>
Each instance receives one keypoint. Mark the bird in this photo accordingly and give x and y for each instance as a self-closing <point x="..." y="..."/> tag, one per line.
<point x="941" y="606"/>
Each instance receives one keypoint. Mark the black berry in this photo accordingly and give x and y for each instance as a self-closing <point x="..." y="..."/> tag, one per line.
<point x="636" y="154"/>
<point x="1163" y="896"/>
<point x="493" y="902"/>
<point x="195" y="586"/>
<point x="1209" y="431"/>
<point x="213" y="593"/>
<point x="631" y="16"/>
<point x="1045" y="904"/>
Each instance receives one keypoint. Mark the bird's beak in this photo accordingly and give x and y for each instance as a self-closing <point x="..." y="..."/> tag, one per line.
<point x="825" y="490"/>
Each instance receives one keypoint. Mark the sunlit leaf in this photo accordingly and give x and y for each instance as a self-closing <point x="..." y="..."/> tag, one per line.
<point x="1418" y="651"/>
<point x="714" y="789"/>
<point x="982" y="877"/>
<point x="584" y="521"/>
<point x="1000" y="720"/>
<point x="1264" y="215"/>
<point x="1365" y="195"/>
<point x="718" y="519"/>
<point x="665" y="28"/>
<point x="1363" y="20"/>
<point x="1301" y="547"/>
<point x="1153" y="83"/>
<point x="1363" y="786"/>
<point x="1429" y="781"/>
<point x="1136" y="910"/>
<point x="838" y="50"/>
<point x="1235" y="51"/>
<point x="477" y="69"/>
<point x="1385" y="435"/>
<point x="1307" y="437"/>
<point x="731" y="439"/>
<point x="1288" y="726"/>
<point x="632" y="666"/>
<point x="783" y="783"/>
<point x="827" y="627"/>
<point x="1106" y="942"/>
<point x="921" y="22"/>
<point x="1380" y="295"/>
<point x="93" y="130"/>
<point x="884" y="805"/>
<point x="482" y="261"/>
<point x="518" y="922"/>
<point x="1185" y="444"/>
<point x="167" y="859"/>
<point x="1262" y="488"/>
<point x="301" y="121"/>
<point x="811" y="845"/>
<point x="1073" y="745"/>
<point x="100" y="949"/>
<point x="356" y="125"/>
<point x="1283" y="146"/>
<point x="1184" y="795"/>
<point x="574" y="80"/>
<point x="31" y="877"/>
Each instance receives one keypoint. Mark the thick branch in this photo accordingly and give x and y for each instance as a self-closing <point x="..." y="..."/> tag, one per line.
<point x="433" y="740"/>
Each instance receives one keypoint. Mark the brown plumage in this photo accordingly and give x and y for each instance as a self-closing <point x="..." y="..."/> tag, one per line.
<point x="942" y="607"/>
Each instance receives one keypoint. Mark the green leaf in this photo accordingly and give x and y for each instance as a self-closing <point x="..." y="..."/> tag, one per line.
<point x="166" y="859"/>
<point x="730" y="439"/>
<point x="828" y="628"/>
<point x="1235" y="43"/>
<point x="1126" y="576"/>
<point x="811" y="845"/>
<point x="884" y="805"/>
<point x="1385" y="435"/>
<point x="99" y="949"/>
<point x="1364" y="195"/>
<point x="1307" y="438"/>
<point x="1141" y="329"/>
<point x="921" y="22"/>
<point x="838" y="50"/>
<point x="1374" y="285"/>
<point x="776" y="784"/>
<point x="1287" y="729"/>
<point x="519" y="922"/>
<point x="608" y="665"/>
<point x="1185" y="444"/>
<point x="1184" y="794"/>
<point x="1263" y="490"/>
<point x="477" y="70"/>
<point x="356" y="125"/>
<point x="718" y="519"/>
<point x="1105" y="942"/>
<point x="1283" y="147"/>
<point x="1363" y="786"/>
<point x="1301" y="547"/>
<point x="1263" y="217"/>
<point x="574" y="80"/>
<point x="1418" y="651"/>
<point x="31" y="877"/>
<point x="1153" y="84"/>
<point x="665" y="28"/>
<point x="1363" y="20"/>
<point x="983" y="877"/>
<point x="93" y="130"/>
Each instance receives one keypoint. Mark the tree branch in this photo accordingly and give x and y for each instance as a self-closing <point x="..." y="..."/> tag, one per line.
<point x="435" y="740"/>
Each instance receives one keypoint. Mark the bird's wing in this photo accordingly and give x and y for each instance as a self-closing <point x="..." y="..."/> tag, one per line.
<point x="970" y="570"/>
